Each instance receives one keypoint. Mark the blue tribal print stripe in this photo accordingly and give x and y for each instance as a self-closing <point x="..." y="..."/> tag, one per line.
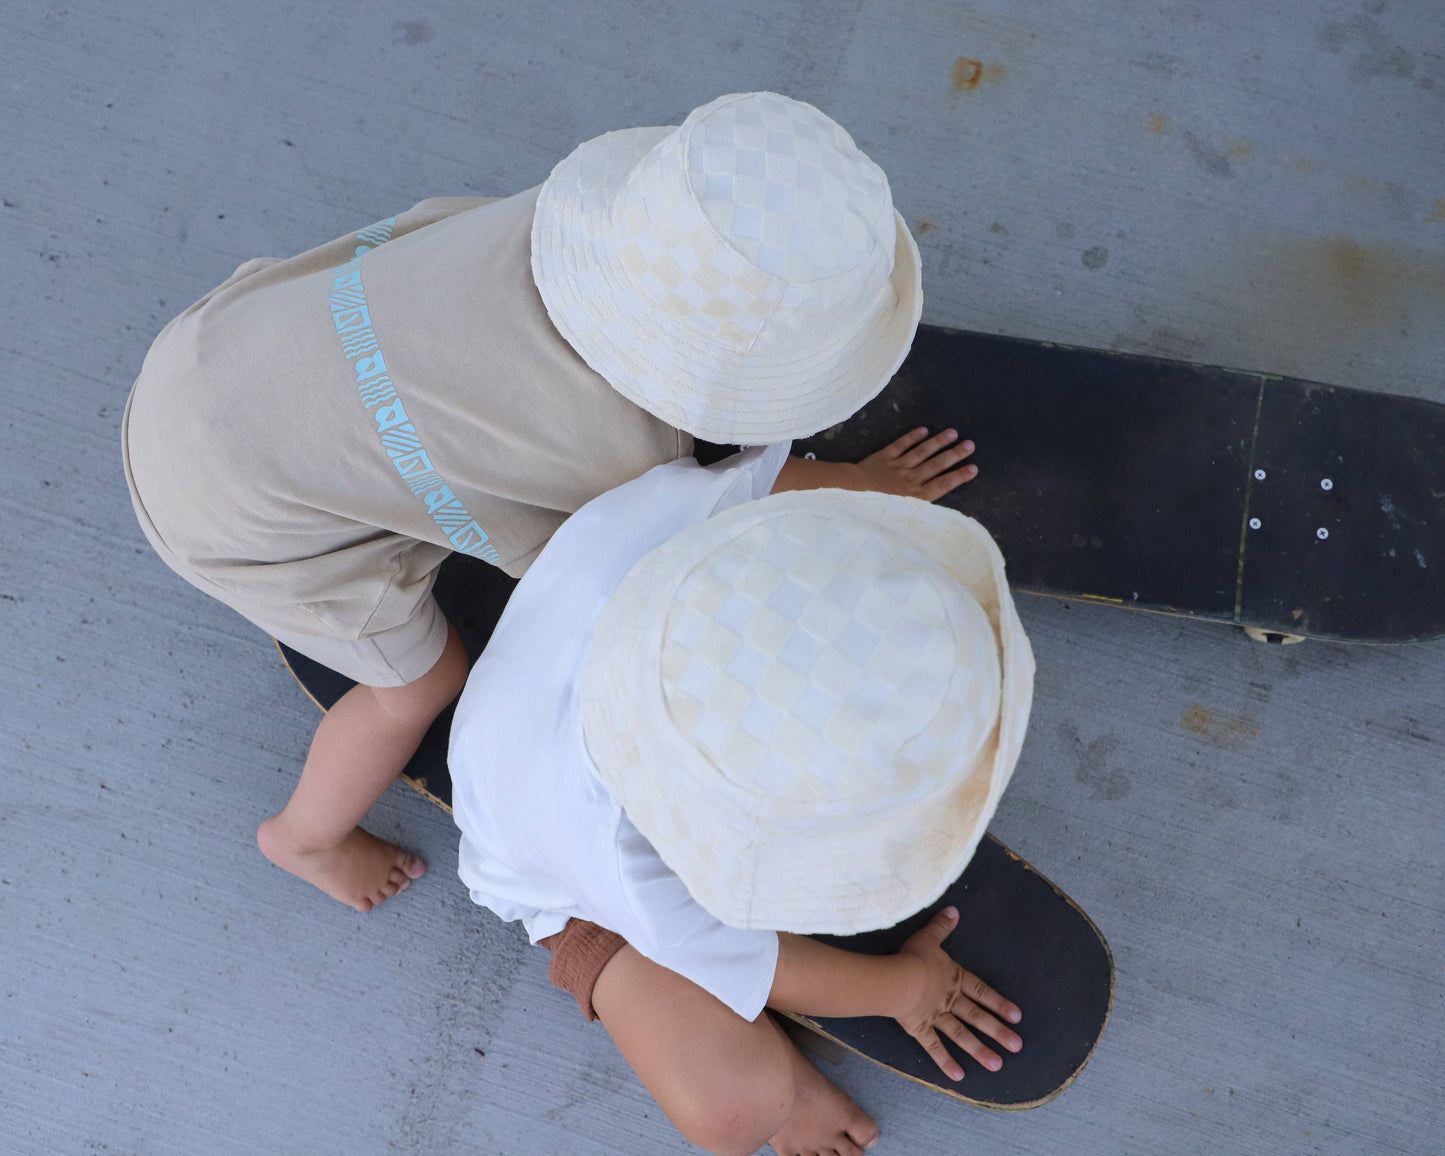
<point x="399" y="437"/>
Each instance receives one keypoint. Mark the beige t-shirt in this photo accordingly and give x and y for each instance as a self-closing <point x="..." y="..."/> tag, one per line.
<point x="312" y="438"/>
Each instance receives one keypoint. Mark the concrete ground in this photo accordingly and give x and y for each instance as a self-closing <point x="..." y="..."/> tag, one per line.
<point x="1256" y="830"/>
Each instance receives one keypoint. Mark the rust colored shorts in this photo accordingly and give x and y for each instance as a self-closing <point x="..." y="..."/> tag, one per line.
<point x="579" y="953"/>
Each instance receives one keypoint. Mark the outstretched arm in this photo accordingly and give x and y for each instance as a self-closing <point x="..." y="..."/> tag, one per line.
<point x="920" y="987"/>
<point x="916" y="465"/>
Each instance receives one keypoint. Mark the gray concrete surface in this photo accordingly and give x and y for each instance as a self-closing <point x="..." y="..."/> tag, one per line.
<point x="1257" y="830"/>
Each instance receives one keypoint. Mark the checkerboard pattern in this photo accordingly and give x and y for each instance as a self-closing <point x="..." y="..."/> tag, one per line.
<point x="760" y="210"/>
<point x="811" y="665"/>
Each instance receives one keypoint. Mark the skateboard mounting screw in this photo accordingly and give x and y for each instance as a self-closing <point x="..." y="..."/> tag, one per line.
<point x="1322" y="533"/>
<point x="814" y="458"/>
<point x="1255" y="523"/>
<point x="1326" y="484"/>
<point x="1259" y="475"/>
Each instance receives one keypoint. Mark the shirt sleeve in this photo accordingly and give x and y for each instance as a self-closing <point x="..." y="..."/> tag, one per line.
<point x="666" y="924"/>
<point x="755" y="472"/>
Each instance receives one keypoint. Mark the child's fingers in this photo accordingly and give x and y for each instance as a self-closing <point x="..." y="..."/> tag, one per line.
<point x="934" y="1047"/>
<point x="925" y="449"/>
<point x="983" y="995"/>
<point x="900" y="446"/>
<point x="941" y="462"/>
<point x="980" y="1021"/>
<point x="946" y="483"/>
<point x="970" y="1043"/>
<point x="939" y="928"/>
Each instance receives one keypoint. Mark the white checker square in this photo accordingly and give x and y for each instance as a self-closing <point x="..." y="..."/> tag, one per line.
<point x="760" y="720"/>
<point x="845" y="589"/>
<point x="857" y="642"/>
<point x="735" y="612"/>
<point x="783" y="143"/>
<point x="815" y="708"/>
<point x="747" y="222"/>
<point x="710" y="732"/>
<point x="697" y="679"/>
<point x="768" y="631"/>
<point x="869" y="697"/>
<point x="752" y="162"/>
<point x="718" y="187"/>
<point x="801" y="651"/>
<point x="773" y="259"/>
<point x="788" y="599"/>
<point x="747" y="666"/>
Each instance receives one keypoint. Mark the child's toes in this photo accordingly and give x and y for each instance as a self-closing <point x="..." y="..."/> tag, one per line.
<point x="363" y="905"/>
<point x="413" y="867"/>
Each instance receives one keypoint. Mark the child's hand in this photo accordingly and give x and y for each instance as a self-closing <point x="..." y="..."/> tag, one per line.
<point x="942" y="997"/>
<point x="919" y="466"/>
<point x="916" y="466"/>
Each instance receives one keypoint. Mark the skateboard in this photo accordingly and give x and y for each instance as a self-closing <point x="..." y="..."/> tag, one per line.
<point x="1286" y="507"/>
<point x="1017" y="931"/>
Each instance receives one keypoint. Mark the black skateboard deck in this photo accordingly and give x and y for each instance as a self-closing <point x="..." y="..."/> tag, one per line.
<point x="1285" y="506"/>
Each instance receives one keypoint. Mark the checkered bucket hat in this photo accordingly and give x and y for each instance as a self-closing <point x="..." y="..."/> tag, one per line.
<point x="811" y="704"/>
<point x="742" y="276"/>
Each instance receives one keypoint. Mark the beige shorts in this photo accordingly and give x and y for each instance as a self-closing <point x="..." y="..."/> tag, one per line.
<point x="394" y="657"/>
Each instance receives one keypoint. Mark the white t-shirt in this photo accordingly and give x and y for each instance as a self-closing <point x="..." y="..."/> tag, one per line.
<point x="543" y="840"/>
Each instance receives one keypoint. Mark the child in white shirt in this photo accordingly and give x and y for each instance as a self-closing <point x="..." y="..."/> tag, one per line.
<point x="631" y="829"/>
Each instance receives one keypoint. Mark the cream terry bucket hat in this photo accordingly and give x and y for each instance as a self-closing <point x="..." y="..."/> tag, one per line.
<point x="810" y="705"/>
<point x="742" y="276"/>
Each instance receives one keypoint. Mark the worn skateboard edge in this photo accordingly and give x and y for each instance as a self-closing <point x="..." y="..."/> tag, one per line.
<point x="1196" y="616"/>
<point x="818" y="1030"/>
<point x="416" y="785"/>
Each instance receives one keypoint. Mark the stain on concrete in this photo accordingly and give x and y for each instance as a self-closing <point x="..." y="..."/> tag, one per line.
<point x="1226" y="731"/>
<point x="1439" y="212"/>
<point x="1064" y="230"/>
<point x="1159" y="123"/>
<point x="1208" y="157"/>
<point x="922" y="226"/>
<point x="1160" y="64"/>
<point x="1095" y="258"/>
<point x="1166" y="342"/>
<point x="1328" y="289"/>
<point x="1382" y="195"/>
<point x="1301" y="165"/>
<point x="968" y="73"/>
<point x="1377" y="55"/>
<point x="1241" y="150"/>
<point x="412" y="32"/>
<point x="1002" y="232"/>
<point x="1105" y="783"/>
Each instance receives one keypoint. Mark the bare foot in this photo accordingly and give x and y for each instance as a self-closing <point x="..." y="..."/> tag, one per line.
<point x="360" y="871"/>
<point x="824" y="1119"/>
